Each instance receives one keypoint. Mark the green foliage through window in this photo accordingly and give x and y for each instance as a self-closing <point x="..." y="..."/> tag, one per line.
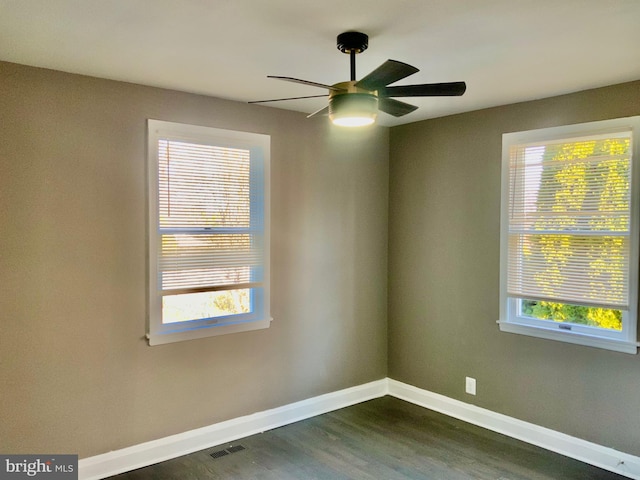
<point x="562" y="312"/>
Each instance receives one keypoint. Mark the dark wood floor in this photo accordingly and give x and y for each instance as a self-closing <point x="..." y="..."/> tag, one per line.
<point x="381" y="439"/>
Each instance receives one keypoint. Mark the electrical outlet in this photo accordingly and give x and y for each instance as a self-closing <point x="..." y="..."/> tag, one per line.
<point x="470" y="385"/>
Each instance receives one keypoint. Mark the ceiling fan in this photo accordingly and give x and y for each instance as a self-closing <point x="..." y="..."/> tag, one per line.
<point x="356" y="102"/>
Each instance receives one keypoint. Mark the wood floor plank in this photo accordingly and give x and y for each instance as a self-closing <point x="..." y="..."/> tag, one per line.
<point x="385" y="439"/>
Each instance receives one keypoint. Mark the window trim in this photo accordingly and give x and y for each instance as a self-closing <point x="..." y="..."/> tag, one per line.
<point x="510" y="321"/>
<point x="259" y="144"/>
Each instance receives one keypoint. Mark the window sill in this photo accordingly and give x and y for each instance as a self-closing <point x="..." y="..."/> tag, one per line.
<point x="204" y="332"/>
<point x="570" y="337"/>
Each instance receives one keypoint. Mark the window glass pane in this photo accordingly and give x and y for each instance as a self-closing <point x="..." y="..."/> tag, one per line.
<point x="606" y="318"/>
<point x="197" y="306"/>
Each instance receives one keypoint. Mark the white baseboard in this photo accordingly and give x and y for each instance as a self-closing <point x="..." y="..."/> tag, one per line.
<point x="587" y="452"/>
<point x="149" y="453"/>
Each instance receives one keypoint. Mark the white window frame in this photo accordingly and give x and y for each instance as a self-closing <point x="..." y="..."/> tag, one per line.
<point x="510" y="319"/>
<point x="259" y="146"/>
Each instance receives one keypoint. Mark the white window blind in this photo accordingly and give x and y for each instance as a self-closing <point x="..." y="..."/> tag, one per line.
<point x="569" y="220"/>
<point x="211" y="239"/>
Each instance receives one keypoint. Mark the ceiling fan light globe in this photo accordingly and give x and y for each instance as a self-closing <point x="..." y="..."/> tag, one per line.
<point x="353" y="109"/>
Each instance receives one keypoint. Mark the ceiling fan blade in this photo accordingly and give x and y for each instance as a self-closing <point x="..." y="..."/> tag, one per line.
<point x="451" y="89"/>
<point x="306" y="82"/>
<point x="395" y="107"/>
<point x="290" y="98"/>
<point x="389" y="72"/>
<point x="322" y="111"/>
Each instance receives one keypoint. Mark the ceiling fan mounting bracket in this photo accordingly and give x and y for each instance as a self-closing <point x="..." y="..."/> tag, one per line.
<point x="353" y="42"/>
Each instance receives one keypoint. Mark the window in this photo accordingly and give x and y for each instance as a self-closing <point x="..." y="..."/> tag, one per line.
<point x="208" y="232"/>
<point x="569" y="233"/>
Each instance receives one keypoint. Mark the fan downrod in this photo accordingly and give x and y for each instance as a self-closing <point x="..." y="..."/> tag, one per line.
<point x="353" y="43"/>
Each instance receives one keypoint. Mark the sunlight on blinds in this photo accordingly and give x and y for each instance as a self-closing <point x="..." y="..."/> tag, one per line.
<point x="569" y="221"/>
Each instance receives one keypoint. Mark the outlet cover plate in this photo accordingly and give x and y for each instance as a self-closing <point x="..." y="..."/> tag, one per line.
<point x="470" y="385"/>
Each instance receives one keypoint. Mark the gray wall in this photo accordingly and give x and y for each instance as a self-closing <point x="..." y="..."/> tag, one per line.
<point x="444" y="248"/>
<point x="76" y="375"/>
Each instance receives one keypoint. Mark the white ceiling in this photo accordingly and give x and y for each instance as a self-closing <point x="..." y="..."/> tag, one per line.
<point x="506" y="50"/>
